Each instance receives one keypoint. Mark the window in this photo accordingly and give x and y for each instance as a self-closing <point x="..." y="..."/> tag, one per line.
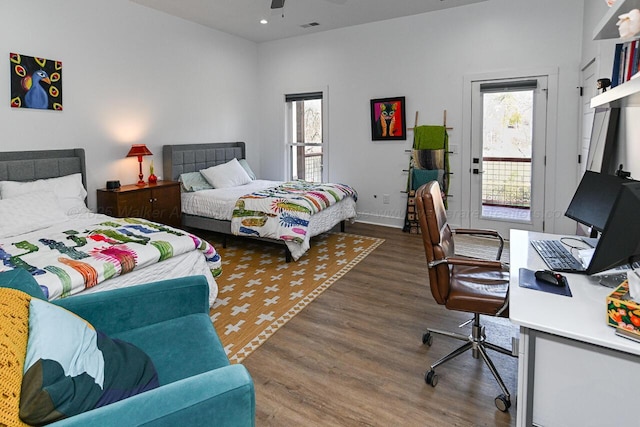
<point x="304" y="136"/>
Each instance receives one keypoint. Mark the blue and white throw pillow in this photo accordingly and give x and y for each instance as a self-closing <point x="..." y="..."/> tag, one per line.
<point x="71" y="367"/>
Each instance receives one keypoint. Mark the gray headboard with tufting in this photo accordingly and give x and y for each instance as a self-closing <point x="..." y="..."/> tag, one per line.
<point x="31" y="165"/>
<point x="178" y="159"/>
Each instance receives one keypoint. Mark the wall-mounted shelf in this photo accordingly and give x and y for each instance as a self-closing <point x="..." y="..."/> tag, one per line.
<point x="606" y="28"/>
<point x="625" y="95"/>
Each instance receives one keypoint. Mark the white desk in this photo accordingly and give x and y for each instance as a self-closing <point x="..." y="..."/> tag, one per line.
<point x="572" y="368"/>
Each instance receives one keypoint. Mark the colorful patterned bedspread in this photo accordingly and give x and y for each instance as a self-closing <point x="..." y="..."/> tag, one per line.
<point x="66" y="262"/>
<point x="283" y="212"/>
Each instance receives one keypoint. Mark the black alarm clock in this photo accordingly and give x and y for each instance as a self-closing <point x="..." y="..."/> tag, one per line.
<point x="113" y="185"/>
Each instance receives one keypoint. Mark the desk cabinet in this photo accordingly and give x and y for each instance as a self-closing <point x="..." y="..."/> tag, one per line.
<point x="573" y="370"/>
<point x="156" y="202"/>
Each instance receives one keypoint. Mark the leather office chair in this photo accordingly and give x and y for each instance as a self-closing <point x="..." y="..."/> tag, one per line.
<point x="462" y="284"/>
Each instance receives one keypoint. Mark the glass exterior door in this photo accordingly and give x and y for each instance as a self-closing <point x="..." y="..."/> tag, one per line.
<point x="508" y="145"/>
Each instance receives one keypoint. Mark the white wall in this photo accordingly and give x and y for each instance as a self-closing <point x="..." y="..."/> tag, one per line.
<point x="130" y="75"/>
<point x="599" y="50"/>
<point x="424" y="58"/>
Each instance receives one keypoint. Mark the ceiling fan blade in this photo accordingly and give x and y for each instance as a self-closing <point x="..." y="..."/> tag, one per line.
<point x="277" y="4"/>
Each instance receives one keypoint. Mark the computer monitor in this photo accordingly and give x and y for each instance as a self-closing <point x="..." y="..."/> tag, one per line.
<point x="594" y="199"/>
<point x="619" y="242"/>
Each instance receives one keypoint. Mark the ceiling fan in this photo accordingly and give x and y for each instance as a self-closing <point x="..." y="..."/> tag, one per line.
<point x="279" y="4"/>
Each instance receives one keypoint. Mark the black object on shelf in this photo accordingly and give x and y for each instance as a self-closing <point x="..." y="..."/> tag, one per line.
<point x="622" y="173"/>
<point x="603" y="84"/>
<point x="113" y="185"/>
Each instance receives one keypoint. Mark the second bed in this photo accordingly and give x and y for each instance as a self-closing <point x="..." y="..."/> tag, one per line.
<point x="213" y="209"/>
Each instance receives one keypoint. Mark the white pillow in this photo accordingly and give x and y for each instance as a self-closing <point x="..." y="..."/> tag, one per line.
<point x="68" y="189"/>
<point x="230" y="174"/>
<point x="29" y="212"/>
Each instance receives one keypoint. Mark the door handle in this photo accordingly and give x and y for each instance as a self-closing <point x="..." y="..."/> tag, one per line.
<point x="477" y="172"/>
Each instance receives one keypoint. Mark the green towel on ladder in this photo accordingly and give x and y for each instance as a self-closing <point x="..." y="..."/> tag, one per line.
<point x="429" y="137"/>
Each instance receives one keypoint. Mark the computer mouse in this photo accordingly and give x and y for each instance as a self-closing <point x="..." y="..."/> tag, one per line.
<point x="550" y="277"/>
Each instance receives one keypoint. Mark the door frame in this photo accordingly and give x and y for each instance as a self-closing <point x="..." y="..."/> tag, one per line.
<point x="588" y="91"/>
<point x="550" y="138"/>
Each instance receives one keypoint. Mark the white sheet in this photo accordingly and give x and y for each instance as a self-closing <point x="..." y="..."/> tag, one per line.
<point x="324" y="221"/>
<point x="219" y="204"/>
<point x="188" y="264"/>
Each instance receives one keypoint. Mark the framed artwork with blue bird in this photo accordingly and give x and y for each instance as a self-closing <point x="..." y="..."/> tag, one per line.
<point x="35" y="82"/>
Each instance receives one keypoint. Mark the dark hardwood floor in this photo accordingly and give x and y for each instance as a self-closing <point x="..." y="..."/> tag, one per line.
<point x="354" y="356"/>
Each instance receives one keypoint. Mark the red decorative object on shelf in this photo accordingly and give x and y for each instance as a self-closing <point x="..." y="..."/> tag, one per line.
<point x="152" y="178"/>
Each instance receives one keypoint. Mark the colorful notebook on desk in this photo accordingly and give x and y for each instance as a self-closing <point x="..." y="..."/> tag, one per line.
<point x="528" y="280"/>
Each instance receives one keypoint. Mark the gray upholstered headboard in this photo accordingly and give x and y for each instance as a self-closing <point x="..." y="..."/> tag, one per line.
<point x="41" y="164"/>
<point x="178" y="159"/>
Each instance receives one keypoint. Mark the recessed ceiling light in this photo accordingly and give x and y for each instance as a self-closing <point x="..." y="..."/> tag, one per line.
<point x="264" y="21"/>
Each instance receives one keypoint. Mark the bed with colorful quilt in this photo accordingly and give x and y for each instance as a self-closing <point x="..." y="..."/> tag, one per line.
<point x="221" y="193"/>
<point x="46" y="229"/>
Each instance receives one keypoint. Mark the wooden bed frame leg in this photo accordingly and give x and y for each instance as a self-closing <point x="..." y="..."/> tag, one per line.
<point x="342" y="225"/>
<point x="287" y="254"/>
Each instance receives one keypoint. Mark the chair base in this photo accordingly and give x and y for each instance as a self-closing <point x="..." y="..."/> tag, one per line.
<point x="476" y="342"/>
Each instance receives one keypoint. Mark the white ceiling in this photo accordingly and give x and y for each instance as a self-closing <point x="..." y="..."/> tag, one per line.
<point x="241" y="17"/>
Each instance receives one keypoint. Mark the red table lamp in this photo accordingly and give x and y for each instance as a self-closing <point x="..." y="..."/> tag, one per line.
<point x="139" y="150"/>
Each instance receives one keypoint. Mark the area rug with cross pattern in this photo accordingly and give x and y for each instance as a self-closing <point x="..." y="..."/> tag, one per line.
<point x="258" y="292"/>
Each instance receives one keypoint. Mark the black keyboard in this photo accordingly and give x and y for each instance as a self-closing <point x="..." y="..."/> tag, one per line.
<point x="557" y="257"/>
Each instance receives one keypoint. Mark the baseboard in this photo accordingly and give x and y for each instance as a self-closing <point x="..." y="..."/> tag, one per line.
<point x="386" y="221"/>
<point x="377" y="223"/>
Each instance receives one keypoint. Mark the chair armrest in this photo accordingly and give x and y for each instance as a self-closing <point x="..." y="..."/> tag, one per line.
<point x="222" y="397"/>
<point x="476" y="232"/>
<point x="128" y="308"/>
<point x="471" y="262"/>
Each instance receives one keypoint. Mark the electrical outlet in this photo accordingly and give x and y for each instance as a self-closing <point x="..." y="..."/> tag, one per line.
<point x="386" y="199"/>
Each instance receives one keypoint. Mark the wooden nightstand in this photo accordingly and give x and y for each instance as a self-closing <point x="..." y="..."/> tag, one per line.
<point x="156" y="202"/>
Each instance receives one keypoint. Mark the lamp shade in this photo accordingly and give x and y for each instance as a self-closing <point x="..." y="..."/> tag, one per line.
<point x="139" y="150"/>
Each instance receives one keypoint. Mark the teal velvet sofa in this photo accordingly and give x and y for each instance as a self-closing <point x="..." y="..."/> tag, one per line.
<point x="168" y="320"/>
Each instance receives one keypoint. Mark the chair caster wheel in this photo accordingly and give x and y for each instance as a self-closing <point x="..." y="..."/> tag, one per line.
<point x="427" y="338"/>
<point x="503" y="403"/>
<point x="431" y="378"/>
